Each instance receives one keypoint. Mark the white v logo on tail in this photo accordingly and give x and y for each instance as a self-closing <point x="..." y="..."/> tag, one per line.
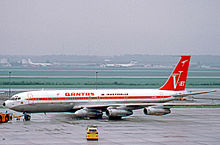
<point x="177" y="80"/>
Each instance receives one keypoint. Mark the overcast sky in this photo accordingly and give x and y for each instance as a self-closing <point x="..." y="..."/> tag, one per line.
<point x="109" y="27"/>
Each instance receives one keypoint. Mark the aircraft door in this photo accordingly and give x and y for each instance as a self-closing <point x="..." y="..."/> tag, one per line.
<point x="161" y="94"/>
<point x="30" y="98"/>
<point x="126" y="99"/>
<point x="98" y="99"/>
<point x="90" y="99"/>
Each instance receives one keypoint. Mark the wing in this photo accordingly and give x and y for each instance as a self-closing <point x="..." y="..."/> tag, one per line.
<point x="135" y="106"/>
<point x="138" y="106"/>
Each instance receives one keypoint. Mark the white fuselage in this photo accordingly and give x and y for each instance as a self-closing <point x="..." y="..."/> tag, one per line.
<point x="67" y="100"/>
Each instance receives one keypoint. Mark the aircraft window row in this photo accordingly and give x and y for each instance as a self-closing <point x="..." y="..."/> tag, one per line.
<point x="98" y="97"/>
<point x="61" y="98"/>
<point x="91" y="98"/>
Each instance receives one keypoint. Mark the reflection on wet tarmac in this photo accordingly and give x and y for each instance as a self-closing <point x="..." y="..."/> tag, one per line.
<point x="182" y="126"/>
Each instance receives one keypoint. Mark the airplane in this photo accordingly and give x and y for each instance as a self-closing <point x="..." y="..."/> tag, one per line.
<point x="29" y="62"/>
<point x="130" y="64"/>
<point x="116" y="103"/>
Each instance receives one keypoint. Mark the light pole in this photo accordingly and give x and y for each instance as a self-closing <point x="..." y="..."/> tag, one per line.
<point x="96" y="75"/>
<point x="9" y="91"/>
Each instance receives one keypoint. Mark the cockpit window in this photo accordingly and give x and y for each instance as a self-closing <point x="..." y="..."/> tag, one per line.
<point x="12" y="98"/>
<point x="15" y="98"/>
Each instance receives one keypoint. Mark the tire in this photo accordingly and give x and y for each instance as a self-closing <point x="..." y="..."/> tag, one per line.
<point x="27" y="117"/>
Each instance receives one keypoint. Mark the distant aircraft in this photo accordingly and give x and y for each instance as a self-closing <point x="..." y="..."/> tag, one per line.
<point x="132" y="63"/>
<point x="116" y="103"/>
<point x="29" y="62"/>
<point x="4" y="62"/>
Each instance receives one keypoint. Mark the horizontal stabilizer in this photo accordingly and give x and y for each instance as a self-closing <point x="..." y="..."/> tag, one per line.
<point x="194" y="93"/>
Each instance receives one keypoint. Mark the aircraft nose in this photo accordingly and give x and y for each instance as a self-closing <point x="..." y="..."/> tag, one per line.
<point x="6" y="104"/>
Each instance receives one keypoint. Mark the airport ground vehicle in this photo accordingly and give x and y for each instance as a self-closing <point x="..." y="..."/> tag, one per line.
<point x="92" y="133"/>
<point x="5" y="117"/>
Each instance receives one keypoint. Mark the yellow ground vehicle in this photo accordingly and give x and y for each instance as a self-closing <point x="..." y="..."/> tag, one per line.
<point x="5" y="117"/>
<point x="92" y="133"/>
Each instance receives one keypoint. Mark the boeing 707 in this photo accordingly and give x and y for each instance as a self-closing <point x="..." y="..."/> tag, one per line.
<point x="116" y="103"/>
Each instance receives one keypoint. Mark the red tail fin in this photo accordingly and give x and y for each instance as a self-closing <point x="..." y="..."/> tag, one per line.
<point x="177" y="80"/>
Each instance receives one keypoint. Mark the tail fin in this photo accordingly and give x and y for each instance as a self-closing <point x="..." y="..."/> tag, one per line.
<point x="177" y="80"/>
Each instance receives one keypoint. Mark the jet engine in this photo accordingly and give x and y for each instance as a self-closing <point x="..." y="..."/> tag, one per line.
<point x="156" y="111"/>
<point x="117" y="113"/>
<point x="91" y="113"/>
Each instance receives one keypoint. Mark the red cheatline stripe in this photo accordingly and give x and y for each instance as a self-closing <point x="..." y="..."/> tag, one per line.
<point x="95" y="98"/>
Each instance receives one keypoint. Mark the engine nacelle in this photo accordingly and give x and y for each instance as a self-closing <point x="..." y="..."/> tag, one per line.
<point x="91" y="113"/>
<point x="114" y="112"/>
<point x="156" y="111"/>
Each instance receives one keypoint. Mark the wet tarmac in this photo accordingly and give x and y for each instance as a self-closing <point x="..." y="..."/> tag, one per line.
<point x="182" y="126"/>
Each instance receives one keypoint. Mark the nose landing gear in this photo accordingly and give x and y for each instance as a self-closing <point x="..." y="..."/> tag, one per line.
<point x="27" y="117"/>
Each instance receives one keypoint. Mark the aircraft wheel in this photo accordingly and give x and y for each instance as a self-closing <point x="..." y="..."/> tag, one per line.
<point x="27" y="117"/>
<point x="96" y="117"/>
